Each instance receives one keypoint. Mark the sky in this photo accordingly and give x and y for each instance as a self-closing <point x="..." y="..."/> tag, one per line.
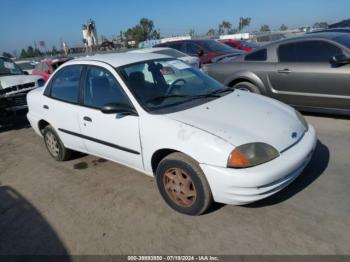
<point x="23" y="22"/>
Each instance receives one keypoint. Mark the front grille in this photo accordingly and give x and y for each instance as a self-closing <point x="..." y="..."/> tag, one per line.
<point x="15" y="100"/>
<point x="16" y="88"/>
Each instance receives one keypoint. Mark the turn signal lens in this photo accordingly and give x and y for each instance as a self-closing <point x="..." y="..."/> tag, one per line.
<point x="252" y="154"/>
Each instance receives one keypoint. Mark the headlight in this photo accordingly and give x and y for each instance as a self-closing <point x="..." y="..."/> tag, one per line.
<point x="252" y="154"/>
<point x="302" y="120"/>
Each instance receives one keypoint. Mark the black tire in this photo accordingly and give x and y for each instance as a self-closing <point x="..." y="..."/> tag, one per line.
<point x="51" y="140"/>
<point x="203" y="199"/>
<point x="247" y="86"/>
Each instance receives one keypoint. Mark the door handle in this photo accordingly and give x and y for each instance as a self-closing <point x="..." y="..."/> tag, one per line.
<point x="45" y="106"/>
<point x="284" y="71"/>
<point x="86" y="118"/>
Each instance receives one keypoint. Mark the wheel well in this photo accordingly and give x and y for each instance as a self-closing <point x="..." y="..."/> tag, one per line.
<point x="239" y="80"/>
<point x="42" y="124"/>
<point x="159" y="156"/>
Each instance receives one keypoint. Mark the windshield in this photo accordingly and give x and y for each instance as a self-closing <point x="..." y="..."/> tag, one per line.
<point x="159" y="84"/>
<point x="215" y="46"/>
<point x="249" y="44"/>
<point x="8" y="67"/>
<point x="344" y="40"/>
<point x="170" y="52"/>
<point x="26" y="65"/>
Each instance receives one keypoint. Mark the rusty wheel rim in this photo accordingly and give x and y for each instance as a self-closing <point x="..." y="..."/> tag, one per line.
<point x="52" y="144"/>
<point x="179" y="187"/>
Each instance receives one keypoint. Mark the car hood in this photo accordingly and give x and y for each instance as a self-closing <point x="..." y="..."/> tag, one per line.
<point x="14" y="80"/>
<point x="242" y="117"/>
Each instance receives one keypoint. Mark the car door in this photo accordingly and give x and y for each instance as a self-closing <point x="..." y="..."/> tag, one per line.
<point x="304" y="75"/>
<point x="60" y="106"/>
<point x="112" y="136"/>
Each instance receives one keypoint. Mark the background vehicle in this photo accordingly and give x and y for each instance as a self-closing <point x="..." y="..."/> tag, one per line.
<point x="190" y="60"/>
<point x="310" y="72"/>
<point x="206" y="50"/>
<point x="27" y="65"/>
<point x="46" y="67"/>
<point x="239" y="44"/>
<point x="264" y="39"/>
<point x="180" y="131"/>
<point x="14" y="86"/>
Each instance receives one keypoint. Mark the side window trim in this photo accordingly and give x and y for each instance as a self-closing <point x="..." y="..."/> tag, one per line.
<point x="83" y="86"/>
<point x="48" y="89"/>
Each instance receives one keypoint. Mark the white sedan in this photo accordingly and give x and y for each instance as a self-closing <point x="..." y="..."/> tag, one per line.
<point x="202" y="141"/>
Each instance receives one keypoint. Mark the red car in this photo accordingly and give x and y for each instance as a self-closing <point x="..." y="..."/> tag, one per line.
<point x="208" y="51"/>
<point x="239" y="44"/>
<point x="46" y="67"/>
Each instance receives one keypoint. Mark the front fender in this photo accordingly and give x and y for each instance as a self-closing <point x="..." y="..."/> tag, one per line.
<point x="160" y="132"/>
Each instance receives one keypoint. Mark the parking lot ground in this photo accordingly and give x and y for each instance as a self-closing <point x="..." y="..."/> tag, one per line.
<point x="92" y="206"/>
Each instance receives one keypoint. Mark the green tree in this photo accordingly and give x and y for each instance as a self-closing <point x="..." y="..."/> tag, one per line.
<point x="141" y="32"/>
<point x="265" y="28"/>
<point x="211" y="32"/>
<point x="283" y="27"/>
<point x="5" y="54"/>
<point x="225" y="27"/>
<point x="243" y="22"/>
<point x="24" y="54"/>
<point x="30" y="51"/>
<point x="54" y="51"/>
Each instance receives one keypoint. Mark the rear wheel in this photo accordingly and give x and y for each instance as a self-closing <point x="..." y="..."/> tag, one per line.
<point x="54" y="145"/>
<point x="183" y="185"/>
<point x="247" y="86"/>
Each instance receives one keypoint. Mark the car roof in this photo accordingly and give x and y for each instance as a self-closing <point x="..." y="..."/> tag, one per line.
<point x="119" y="59"/>
<point x="320" y="35"/>
<point x="149" y="50"/>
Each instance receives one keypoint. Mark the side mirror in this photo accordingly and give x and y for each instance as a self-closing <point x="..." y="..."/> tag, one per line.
<point x="339" y="60"/>
<point x="200" y="52"/>
<point x="118" y="108"/>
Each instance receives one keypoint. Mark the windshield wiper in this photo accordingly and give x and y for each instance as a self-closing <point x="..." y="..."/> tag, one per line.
<point x="161" y="98"/>
<point x="190" y="98"/>
<point x="224" y="90"/>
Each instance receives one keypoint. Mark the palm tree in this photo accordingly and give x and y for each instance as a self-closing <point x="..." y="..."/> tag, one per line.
<point x="243" y="22"/>
<point x="225" y="27"/>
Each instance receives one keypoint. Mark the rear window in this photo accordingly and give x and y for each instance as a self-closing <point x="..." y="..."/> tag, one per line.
<point x="260" y="55"/>
<point x="170" y="52"/>
<point x="215" y="46"/>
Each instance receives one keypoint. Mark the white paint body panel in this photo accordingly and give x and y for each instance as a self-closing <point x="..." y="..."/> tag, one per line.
<point x="207" y="133"/>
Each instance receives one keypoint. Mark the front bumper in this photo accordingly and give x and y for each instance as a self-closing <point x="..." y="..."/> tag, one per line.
<point x="243" y="186"/>
<point x="14" y="102"/>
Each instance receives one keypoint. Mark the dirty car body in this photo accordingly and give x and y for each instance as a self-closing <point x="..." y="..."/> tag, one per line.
<point x="14" y="86"/>
<point x="165" y="107"/>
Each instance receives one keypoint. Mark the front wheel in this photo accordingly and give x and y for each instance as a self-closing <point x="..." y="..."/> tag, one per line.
<point x="54" y="145"/>
<point x="183" y="185"/>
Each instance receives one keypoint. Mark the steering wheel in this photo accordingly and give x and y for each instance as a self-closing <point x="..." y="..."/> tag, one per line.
<point x="168" y="91"/>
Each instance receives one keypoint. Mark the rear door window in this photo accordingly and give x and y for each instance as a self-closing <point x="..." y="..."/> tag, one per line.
<point x="66" y="84"/>
<point x="308" y="51"/>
